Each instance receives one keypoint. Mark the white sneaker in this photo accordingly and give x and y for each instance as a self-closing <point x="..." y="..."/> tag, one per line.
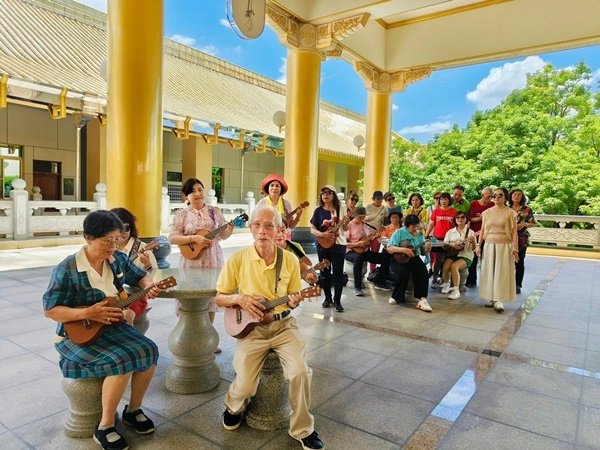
<point x="445" y="288"/>
<point x="454" y="294"/>
<point x="499" y="307"/>
<point x="423" y="305"/>
<point x="490" y="304"/>
<point x="392" y="301"/>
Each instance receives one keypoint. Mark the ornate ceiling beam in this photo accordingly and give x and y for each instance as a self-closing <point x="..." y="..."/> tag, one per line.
<point x="322" y="38"/>
<point x="378" y="80"/>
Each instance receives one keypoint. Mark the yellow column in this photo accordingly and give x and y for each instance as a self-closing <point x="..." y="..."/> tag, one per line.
<point x="302" y="128"/>
<point x="96" y="157"/>
<point x="196" y="156"/>
<point x="377" y="157"/>
<point x="134" y="149"/>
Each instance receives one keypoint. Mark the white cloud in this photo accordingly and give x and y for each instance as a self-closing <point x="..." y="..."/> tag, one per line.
<point x="594" y="81"/>
<point x="99" y="5"/>
<point x="210" y="49"/>
<point x="394" y="107"/>
<point x="434" y="127"/>
<point x="225" y="23"/>
<point x="185" y="40"/>
<point x="283" y="70"/>
<point x="502" y="80"/>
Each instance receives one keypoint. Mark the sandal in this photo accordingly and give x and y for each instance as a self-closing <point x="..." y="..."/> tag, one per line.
<point x="101" y="438"/>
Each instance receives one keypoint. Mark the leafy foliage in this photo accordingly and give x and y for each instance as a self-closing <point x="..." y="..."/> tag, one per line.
<point x="544" y="139"/>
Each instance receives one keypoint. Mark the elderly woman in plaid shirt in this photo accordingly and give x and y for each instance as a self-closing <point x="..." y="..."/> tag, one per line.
<point x="77" y="290"/>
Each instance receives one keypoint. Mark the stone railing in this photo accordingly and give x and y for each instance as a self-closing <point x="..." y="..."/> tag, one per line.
<point x="574" y="232"/>
<point x="21" y="218"/>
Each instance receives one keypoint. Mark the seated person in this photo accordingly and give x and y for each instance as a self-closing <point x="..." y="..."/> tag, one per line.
<point x="395" y="220"/>
<point x="121" y="353"/>
<point x="306" y="268"/>
<point x="462" y="239"/>
<point x="135" y="251"/>
<point x="358" y="242"/>
<point x="410" y="242"/>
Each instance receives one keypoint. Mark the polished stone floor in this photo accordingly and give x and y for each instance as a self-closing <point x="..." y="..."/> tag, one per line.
<point x="385" y="376"/>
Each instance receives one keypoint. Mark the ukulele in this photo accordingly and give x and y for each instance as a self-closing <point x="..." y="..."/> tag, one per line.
<point x="239" y="323"/>
<point x="290" y="215"/>
<point x="86" y="332"/>
<point x="149" y="246"/>
<point x="322" y="265"/>
<point x="369" y="238"/>
<point x="328" y="240"/>
<point x="403" y="258"/>
<point x="193" y="250"/>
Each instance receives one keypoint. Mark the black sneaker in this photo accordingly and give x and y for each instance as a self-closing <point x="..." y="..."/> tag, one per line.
<point x="116" y="442"/>
<point x="471" y="285"/>
<point x="326" y="304"/>
<point x="312" y="441"/>
<point x="339" y="308"/>
<point x="518" y="289"/>
<point x="141" y="423"/>
<point x="231" y="421"/>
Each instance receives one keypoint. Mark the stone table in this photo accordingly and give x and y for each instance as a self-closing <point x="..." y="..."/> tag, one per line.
<point x="194" y="340"/>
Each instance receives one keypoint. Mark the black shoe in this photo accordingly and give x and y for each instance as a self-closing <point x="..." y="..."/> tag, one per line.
<point x="312" y="441"/>
<point x="382" y="286"/>
<point x="231" y="421"/>
<point x="141" y="423"/>
<point x="101" y="438"/>
<point x="518" y="289"/>
<point x="326" y="304"/>
<point x="339" y="308"/>
<point x="470" y="285"/>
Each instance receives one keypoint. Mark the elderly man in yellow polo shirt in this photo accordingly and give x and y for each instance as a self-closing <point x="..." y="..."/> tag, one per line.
<point x="254" y="274"/>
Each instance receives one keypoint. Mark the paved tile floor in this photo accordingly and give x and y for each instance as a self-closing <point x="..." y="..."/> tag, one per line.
<point x="385" y="377"/>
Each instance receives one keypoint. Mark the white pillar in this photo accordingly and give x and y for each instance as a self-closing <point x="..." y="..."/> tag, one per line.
<point x="21" y="213"/>
<point x="100" y="196"/>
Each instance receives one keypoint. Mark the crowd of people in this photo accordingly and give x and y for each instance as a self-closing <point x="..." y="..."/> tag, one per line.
<point x="401" y="243"/>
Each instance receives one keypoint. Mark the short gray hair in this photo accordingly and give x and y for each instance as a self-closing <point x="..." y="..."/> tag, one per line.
<point x="487" y="189"/>
<point x="260" y="208"/>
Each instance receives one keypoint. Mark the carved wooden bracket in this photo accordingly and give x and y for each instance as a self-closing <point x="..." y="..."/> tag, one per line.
<point x="378" y="80"/>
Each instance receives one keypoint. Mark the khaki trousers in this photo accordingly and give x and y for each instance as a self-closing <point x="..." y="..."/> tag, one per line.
<point x="283" y="337"/>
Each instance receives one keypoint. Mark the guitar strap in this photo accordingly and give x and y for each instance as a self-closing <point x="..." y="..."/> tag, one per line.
<point x="133" y="253"/>
<point x="117" y="282"/>
<point x="278" y="264"/>
<point x="295" y="249"/>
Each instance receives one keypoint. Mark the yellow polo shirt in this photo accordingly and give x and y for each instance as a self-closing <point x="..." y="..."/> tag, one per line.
<point x="246" y="272"/>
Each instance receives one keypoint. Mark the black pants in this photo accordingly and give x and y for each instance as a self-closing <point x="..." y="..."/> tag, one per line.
<point x="472" y="278"/>
<point x="520" y="267"/>
<point x="417" y="268"/>
<point x="378" y="258"/>
<point x="333" y="274"/>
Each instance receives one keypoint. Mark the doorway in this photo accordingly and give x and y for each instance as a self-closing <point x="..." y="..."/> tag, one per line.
<point x="47" y="176"/>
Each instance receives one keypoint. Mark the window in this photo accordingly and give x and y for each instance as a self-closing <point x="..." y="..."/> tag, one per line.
<point x="11" y="167"/>
<point x="217" y="181"/>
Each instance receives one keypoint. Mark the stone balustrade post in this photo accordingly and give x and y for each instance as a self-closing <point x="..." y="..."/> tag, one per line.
<point x="250" y="201"/>
<point x="342" y="199"/>
<point x="211" y="198"/>
<point x="165" y="210"/>
<point x="100" y="196"/>
<point x="21" y="211"/>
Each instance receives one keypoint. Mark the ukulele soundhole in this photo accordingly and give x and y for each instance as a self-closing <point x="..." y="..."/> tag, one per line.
<point x="238" y="316"/>
<point x="87" y="324"/>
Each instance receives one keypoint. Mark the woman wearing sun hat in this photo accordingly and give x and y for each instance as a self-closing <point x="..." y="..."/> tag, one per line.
<point x="274" y="187"/>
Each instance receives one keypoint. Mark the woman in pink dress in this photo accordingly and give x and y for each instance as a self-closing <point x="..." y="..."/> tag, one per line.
<point x="197" y="216"/>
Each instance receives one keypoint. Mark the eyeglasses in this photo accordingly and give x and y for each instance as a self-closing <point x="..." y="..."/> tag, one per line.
<point x="109" y="243"/>
<point x="265" y="226"/>
<point x="327" y="193"/>
<point x="354" y="199"/>
<point x="391" y="198"/>
<point x="461" y="217"/>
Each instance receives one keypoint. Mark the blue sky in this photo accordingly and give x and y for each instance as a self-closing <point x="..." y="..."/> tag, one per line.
<point x="431" y="105"/>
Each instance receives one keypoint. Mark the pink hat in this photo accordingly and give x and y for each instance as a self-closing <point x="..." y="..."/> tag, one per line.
<point x="264" y="184"/>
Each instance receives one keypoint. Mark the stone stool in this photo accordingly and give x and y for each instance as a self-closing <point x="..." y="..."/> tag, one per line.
<point x="85" y="396"/>
<point x="270" y="409"/>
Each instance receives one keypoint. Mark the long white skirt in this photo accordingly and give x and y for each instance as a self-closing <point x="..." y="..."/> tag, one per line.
<point x="497" y="278"/>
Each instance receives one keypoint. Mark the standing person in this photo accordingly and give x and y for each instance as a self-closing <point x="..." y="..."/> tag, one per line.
<point x="77" y="291"/>
<point x="187" y="224"/>
<point x="264" y="272"/>
<point x="376" y="214"/>
<point x="352" y="202"/>
<point x="134" y="249"/>
<point x="416" y="207"/>
<point x="357" y="244"/>
<point x="463" y="239"/>
<point x="436" y="203"/>
<point x="390" y="202"/>
<point x="518" y="202"/>
<point x="459" y="202"/>
<point x="440" y="221"/>
<point x="275" y="187"/>
<point x="499" y="230"/>
<point x="326" y="216"/>
<point x="475" y="211"/>
<point x="409" y="241"/>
